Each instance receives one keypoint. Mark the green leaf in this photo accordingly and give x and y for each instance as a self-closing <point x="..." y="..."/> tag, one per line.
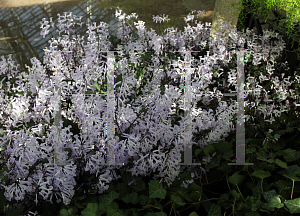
<point x="215" y="162"/>
<point x="126" y="177"/>
<point x="72" y="210"/>
<point x="122" y="188"/>
<point x="228" y="154"/>
<point x="269" y="135"/>
<point x="113" y="210"/>
<point x="222" y="146"/>
<point x="185" y="175"/>
<point x="236" y="195"/>
<point x="113" y="195"/>
<point x="269" y="194"/>
<point x="215" y="210"/>
<point x="143" y="199"/>
<point x="140" y="185"/>
<point x="209" y="149"/>
<point x="193" y="214"/>
<point x="291" y="155"/>
<point x="64" y="212"/>
<point x="293" y="205"/>
<point x="266" y="206"/>
<point x="131" y="198"/>
<point x="294" y="178"/>
<point x="236" y="179"/>
<point x="287" y="130"/>
<point x="262" y="155"/>
<point x="157" y="204"/>
<point x="106" y="199"/>
<point x="90" y="210"/>
<point x="256" y="190"/>
<point x="273" y="199"/>
<point x="224" y="167"/>
<point x="280" y="163"/>
<point x="224" y="201"/>
<point x="195" y="196"/>
<point x="177" y="199"/>
<point x="81" y="197"/>
<point x="282" y="185"/>
<point x="155" y="191"/>
<point x="277" y="136"/>
<point x="252" y="203"/>
<point x="198" y="151"/>
<point x="78" y="205"/>
<point x="103" y="207"/>
<point x="194" y="187"/>
<point x="291" y="172"/>
<point x="261" y="174"/>
<point x="250" y="150"/>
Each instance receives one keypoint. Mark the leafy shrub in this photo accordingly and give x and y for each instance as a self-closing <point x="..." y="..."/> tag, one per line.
<point x="271" y="147"/>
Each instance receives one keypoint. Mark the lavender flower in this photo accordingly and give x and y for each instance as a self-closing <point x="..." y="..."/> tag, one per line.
<point x="26" y="153"/>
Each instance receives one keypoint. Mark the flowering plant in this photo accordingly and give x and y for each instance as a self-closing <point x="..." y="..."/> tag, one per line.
<point x="142" y="110"/>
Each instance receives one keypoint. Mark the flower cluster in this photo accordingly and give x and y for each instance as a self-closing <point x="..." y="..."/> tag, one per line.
<point x="143" y="121"/>
<point x="160" y="19"/>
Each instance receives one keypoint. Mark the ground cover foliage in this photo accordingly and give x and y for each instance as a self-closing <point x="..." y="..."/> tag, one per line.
<point x="269" y="187"/>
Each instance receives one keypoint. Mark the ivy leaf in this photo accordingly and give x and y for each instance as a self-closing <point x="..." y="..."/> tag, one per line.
<point x="177" y="199"/>
<point x="113" y="209"/>
<point x="64" y="212"/>
<point x="215" y="210"/>
<point x="155" y="191"/>
<point x="236" y="179"/>
<point x="280" y="163"/>
<point x="273" y="199"/>
<point x="236" y="195"/>
<point x="261" y="174"/>
<point x="222" y="146"/>
<point x="143" y="199"/>
<point x="198" y="151"/>
<point x="293" y="205"/>
<point x="185" y="176"/>
<point x="291" y="155"/>
<point x="131" y="198"/>
<point x="209" y="149"/>
<point x="215" y="162"/>
<point x="291" y="172"/>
